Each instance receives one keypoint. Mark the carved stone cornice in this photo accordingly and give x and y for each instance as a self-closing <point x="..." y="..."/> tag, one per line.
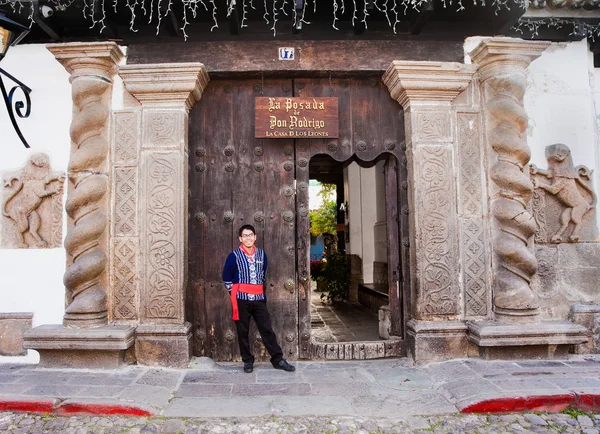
<point x="511" y="55"/>
<point x="410" y="81"/>
<point x="163" y="85"/>
<point x="88" y="58"/>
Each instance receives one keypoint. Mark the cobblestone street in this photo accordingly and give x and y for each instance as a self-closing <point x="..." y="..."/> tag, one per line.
<point x="511" y="423"/>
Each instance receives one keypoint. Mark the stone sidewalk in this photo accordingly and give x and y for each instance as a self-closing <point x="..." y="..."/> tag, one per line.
<point x="380" y="389"/>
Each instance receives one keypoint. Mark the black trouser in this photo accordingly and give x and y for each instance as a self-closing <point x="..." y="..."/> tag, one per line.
<point x="258" y="311"/>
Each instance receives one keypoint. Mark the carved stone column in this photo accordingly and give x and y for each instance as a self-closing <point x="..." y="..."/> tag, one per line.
<point x="86" y="340"/>
<point x="502" y="71"/>
<point x="166" y="93"/>
<point x="426" y="91"/>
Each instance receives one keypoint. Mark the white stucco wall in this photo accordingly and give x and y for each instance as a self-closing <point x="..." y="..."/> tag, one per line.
<point x="31" y="279"/>
<point x="562" y="104"/>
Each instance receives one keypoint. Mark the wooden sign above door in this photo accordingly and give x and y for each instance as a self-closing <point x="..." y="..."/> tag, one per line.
<point x="301" y="118"/>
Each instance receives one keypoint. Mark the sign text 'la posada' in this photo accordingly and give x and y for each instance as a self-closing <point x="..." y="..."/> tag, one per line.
<point x="302" y="118"/>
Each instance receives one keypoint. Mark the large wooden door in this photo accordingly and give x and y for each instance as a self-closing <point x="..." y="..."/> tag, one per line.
<point x="236" y="180"/>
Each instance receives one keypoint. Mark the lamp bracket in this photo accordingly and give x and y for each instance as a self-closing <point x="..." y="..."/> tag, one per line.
<point x="14" y="105"/>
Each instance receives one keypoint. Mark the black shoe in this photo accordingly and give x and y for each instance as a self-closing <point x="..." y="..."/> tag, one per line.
<point x="284" y="366"/>
<point x="248" y="367"/>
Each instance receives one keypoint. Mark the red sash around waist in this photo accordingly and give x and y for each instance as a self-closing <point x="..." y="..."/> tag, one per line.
<point x="242" y="287"/>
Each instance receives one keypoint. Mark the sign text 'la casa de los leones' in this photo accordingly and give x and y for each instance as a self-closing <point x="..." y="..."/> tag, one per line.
<point x="302" y="118"/>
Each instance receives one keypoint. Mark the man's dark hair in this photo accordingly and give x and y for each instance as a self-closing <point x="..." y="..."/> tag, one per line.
<point x="246" y="228"/>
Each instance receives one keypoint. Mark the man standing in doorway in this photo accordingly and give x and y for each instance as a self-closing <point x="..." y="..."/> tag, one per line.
<point x="244" y="276"/>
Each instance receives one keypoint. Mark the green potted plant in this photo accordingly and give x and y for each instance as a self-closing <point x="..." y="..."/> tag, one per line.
<point x="335" y="277"/>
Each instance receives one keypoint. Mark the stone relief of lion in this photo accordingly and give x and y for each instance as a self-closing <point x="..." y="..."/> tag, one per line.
<point x="27" y="191"/>
<point x="567" y="184"/>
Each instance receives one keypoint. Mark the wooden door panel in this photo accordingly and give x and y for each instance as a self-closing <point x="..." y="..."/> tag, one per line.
<point x="236" y="179"/>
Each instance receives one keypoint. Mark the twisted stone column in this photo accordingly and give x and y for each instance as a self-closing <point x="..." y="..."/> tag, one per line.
<point x="503" y="63"/>
<point x="92" y="66"/>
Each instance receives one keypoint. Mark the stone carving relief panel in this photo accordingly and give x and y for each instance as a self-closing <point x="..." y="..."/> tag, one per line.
<point x="125" y="208"/>
<point x="124" y="218"/>
<point x="469" y="151"/>
<point x="161" y="236"/>
<point x="32" y="211"/>
<point x="126" y="138"/>
<point x="432" y="127"/>
<point x="163" y="128"/>
<point x="437" y="231"/>
<point x="124" y="278"/>
<point x="564" y="200"/>
<point x="474" y="253"/>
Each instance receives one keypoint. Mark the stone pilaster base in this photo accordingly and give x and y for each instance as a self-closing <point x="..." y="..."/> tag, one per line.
<point x="85" y="348"/>
<point x="167" y="345"/>
<point x="540" y="340"/>
<point x="588" y="316"/>
<point x="434" y="341"/>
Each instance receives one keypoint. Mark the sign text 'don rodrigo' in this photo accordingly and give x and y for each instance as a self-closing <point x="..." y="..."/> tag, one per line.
<point x="302" y="118"/>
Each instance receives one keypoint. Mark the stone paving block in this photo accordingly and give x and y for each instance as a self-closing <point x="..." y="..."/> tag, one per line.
<point x="39" y="377"/>
<point x="219" y="377"/>
<point x="7" y="378"/>
<point x="106" y="379"/>
<point x="9" y="368"/>
<point x="173" y="426"/>
<point x="346" y="389"/>
<point x="535" y="420"/>
<point x="449" y="371"/>
<point x="392" y="406"/>
<point x="58" y="390"/>
<point x="219" y="407"/>
<point x="315" y="406"/>
<point x="278" y="376"/>
<point x="14" y="389"/>
<point x="570" y="383"/>
<point x="288" y="389"/>
<point x="101" y="391"/>
<point x="155" y="396"/>
<point x="402" y="379"/>
<point x="160" y="378"/>
<point x="487" y="367"/>
<point x="460" y="390"/>
<point x="526" y="384"/>
<point x="204" y="390"/>
<point x="331" y="376"/>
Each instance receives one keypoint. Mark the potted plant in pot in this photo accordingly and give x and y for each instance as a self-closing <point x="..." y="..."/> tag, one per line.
<point x="335" y="277"/>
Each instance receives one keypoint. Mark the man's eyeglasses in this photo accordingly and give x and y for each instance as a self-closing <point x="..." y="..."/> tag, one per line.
<point x="248" y="235"/>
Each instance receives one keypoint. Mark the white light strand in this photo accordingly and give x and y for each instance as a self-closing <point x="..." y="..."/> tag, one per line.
<point x="366" y="14"/>
<point x="230" y="8"/>
<point x="274" y="28"/>
<point x="354" y="12"/>
<point x="283" y="8"/>
<point x="304" y="12"/>
<point x="131" y="7"/>
<point x="214" y="15"/>
<point x="244" y="13"/>
<point x="395" y="11"/>
<point x="335" y="8"/>
<point x="266" y="14"/>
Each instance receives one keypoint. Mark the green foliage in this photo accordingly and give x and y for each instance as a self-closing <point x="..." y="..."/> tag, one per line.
<point x="574" y="412"/>
<point x="335" y="277"/>
<point x="324" y="219"/>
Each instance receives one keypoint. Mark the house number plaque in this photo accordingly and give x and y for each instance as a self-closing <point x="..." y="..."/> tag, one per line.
<point x="302" y="118"/>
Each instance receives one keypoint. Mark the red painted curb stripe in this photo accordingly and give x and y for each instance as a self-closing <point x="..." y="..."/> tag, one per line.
<point x="549" y="403"/>
<point x="28" y="406"/>
<point x="587" y="402"/>
<point x="100" y="409"/>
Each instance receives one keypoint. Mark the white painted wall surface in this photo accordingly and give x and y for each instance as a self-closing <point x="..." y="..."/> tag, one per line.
<point x="31" y="279"/>
<point x="562" y="102"/>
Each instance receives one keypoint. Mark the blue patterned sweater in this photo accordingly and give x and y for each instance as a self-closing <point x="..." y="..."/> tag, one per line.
<point x="240" y="269"/>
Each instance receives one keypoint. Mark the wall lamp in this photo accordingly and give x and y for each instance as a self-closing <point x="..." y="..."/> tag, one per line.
<point x="12" y="33"/>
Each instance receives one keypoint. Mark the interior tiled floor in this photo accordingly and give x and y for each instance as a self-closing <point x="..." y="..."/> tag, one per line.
<point x="342" y="321"/>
